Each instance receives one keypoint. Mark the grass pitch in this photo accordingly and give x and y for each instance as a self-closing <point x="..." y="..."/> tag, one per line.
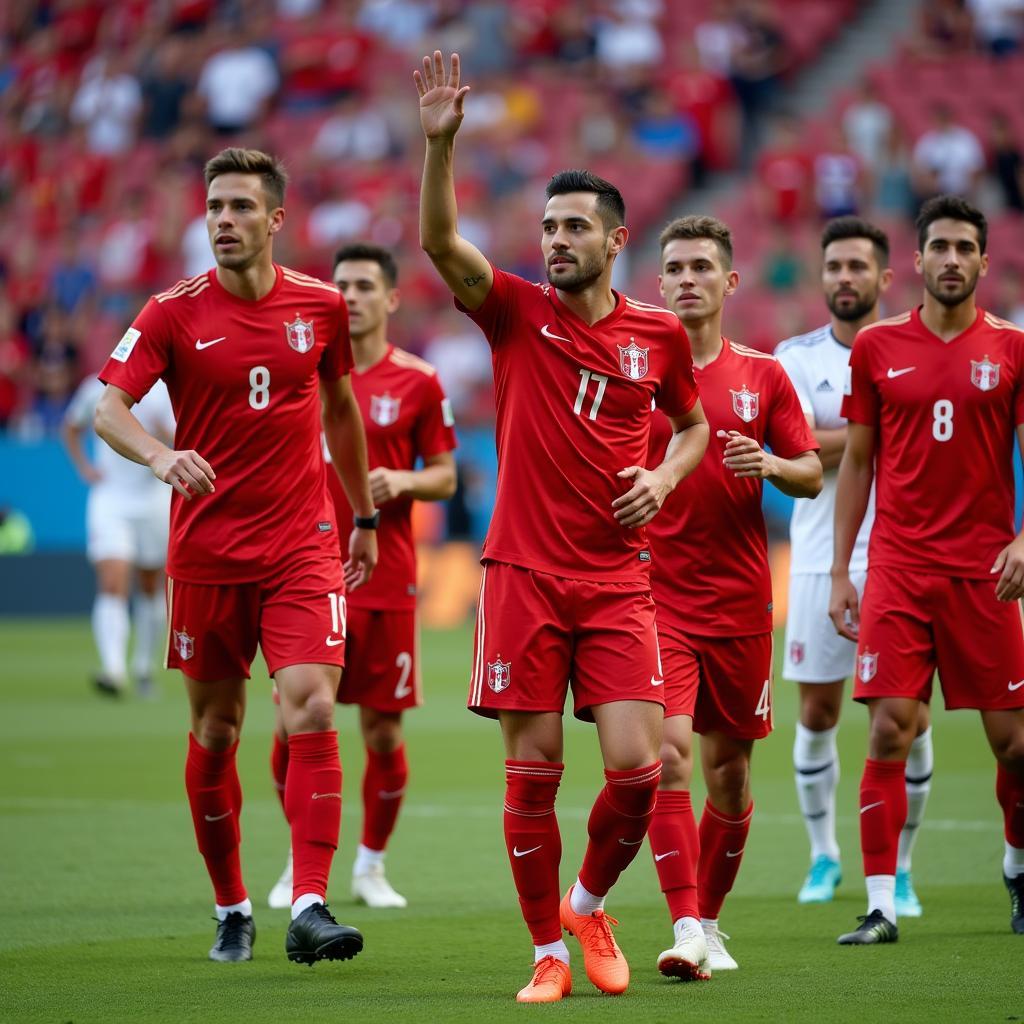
<point x="106" y="907"/>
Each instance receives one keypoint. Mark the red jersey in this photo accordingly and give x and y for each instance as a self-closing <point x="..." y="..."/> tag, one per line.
<point x="711" y="575"/>
<point x="573" y="408"/>
<point x="944" y="415"/>
<point x="407" y="417"/>
<point x="243" y="380"/>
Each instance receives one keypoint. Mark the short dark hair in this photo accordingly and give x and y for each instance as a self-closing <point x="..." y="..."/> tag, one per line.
<point x="696" y="225"/>
<point x="372" y="254"/>
<point x="840" y="228"/>
<point x="235" y="160"/>
<point x="952" y="208"/>
<point x="610" y="204"/>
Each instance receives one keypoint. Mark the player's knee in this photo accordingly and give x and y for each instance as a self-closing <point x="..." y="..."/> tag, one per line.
<point x="727" y="785"/>
<point x="818" y="716"/>
<point x="890" y="737"/>
<point x="315" y="715"/>
<point x="216" y="731"/>
<point x="1009" y="751"/>
<point x="676" y="765"/>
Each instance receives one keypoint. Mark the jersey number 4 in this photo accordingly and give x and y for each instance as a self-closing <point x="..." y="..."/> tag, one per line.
<point x="764" y="704"/>
<point x="601" y="382"/>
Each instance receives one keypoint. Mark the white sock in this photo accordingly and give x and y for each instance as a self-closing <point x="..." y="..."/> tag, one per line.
<point x="304" y="902"/>
<point x="918" y="774"/>
<point x="816" y="761"/>
<point x="882" y="895"/>
<point x="149" y="623"/>
<point x="1013" y="861"/>
<point x="558" y="949"/>
<point x="110" y="628"/>
<point x="686" y="926"/>
<point x="245" y="907"/>
<point x="367" y="859"/>
<point x="709" y="924"/>
<point x="584" y="902"/>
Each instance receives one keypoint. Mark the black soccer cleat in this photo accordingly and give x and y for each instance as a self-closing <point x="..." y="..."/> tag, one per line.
<point x="107" y="686"/>
<point x="235" y="937"/>
<point x="873" y="929"/>
<point x="1015" y="887"/>
<point x="315" y="935"/>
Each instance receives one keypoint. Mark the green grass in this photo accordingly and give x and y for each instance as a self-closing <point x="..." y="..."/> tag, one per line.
<point x="106" y="907"/>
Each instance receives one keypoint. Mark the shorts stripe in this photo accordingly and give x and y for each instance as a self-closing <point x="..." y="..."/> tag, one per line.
<point x="169" y="592"/>
<point x="481" y="627"/>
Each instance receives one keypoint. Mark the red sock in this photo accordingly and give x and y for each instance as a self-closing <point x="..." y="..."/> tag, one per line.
<point x="312" y="804"/>
<point x="722" y="840"/>
<point x="617" y="826"/>
<point x="279" y="767"/>
<point x="215" y="798"/>
<point x="383" y="788"/>
<point x="1010" y="793"/>
<point x="883" y="812"/>
<point x="534" y="844"/>
<point x="676" y="848"/>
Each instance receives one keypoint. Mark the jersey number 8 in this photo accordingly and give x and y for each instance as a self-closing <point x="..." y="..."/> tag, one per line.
<point x="259" y="387"/>
<point x="942" y="424"/>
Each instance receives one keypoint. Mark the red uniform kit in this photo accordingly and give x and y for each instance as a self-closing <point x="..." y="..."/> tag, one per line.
<point x="566" y="591"/>
<point x="944" y="415"/>
<point x="712" y="584"/>
<point x="407" y="417"/>
<point x="258" y="560"/>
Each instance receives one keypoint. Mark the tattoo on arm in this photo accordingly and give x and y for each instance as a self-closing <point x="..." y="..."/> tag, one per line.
<point x="470" y="281"/>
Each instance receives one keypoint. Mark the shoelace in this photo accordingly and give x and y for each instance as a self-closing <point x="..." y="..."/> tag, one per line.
<point x="231" y="930"/>
<point x="714" y="940"/>
<point x="544" y="968"/>
<point x="321" y="911"/>
<point x="600" y="921"/>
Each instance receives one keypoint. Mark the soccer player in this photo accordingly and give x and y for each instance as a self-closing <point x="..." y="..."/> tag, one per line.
<point x="713" y="591"/>
<point x="407" y="418"/>
<point x="933" y="398"/>
<point x="565" y="596"/>
<point x="249" y="351"/>
<point x="854" y="275"/>
<point x="126" y="535"/>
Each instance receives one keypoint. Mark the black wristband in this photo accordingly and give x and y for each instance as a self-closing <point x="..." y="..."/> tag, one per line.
<point x="368" y="522"/>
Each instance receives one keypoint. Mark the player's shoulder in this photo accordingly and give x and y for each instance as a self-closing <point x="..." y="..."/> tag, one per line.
<point x="312" y="285"/>
<point x="412" y="363"/>
<point x="885" y="325"/>
<point x="184" y="292"/>
<point x="646" y="310"/>
<point x="997" y="323"/>
<point x="802" y="346"/>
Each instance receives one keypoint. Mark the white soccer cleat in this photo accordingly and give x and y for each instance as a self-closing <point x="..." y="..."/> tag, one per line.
<point x="718" y="956"/>
<point x="688" y="958"/>
<point x="373" y="889"/>
<point x="280" y="897"/>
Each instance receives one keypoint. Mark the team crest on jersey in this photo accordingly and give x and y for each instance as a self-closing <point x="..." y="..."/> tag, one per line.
<point x="499" y="674"/>
<point x="985" y="374"/>
<point x="384" y="409"/>
<point x="300" y="334"/>
<point x="633" y="360"/>
<point x="745" y="403"/>
<point x="867" y="666"/>
<point x="796" y="652"/>
<point x="185" y="645"/>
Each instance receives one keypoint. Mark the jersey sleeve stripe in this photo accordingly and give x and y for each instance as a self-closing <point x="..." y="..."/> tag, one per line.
<point x="181" y="286"/>
<point x="308" y="282"/>
<point x="406" y="359"/>
<point x="643" y="307"/>
<point x="890" y="321"/>
<point x="1002" y="325"/>
<point x="751" y="353"/>
<point x="185" y="294"/>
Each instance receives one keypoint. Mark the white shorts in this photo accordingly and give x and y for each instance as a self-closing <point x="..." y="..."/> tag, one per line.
<point x="815" y="652"/>
<point x="133" y="531"/>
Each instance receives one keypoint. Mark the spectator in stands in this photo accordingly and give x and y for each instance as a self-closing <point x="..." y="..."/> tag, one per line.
<point x="628" y="38"/>
<point x="166" y="83"/>
<point x="782" y="269"/>
<point x="401" y="22"/>
<point x="867" y="125"/>
<point x="14" y="363"/>
<point x="237" y="81"/>
<point x="662" y="132"/>
<point x="894" y="190"/>
<point x="947" y="158"/>
<point x="356" y="130"/>
<point x="108" y="103"/>
<point x="840" y="181"/>
<point x="998" y="25"/>
<point x="944" y="27"/>
<point x="718" y="37"/>
<point x="72" y="279"/>
<point x="127" y="259"/>
<point x="1006" y="162"/>
<point x="53" y="376"/>
<point x="784" y="174"/>
<point x="1009" y="301"/>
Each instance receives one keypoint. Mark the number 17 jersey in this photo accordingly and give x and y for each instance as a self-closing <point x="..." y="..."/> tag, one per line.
<point x="573" y="409"/>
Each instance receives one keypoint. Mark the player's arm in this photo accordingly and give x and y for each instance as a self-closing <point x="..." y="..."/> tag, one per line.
<point x="830" y="444"/>
<point x="853" y="490"/>
<point x="460" y="263"/>
<point x="346" y="441"/>
<point x="1009" y="562"/>
<point x="642" y="502"/>
<point x="72" y="435"/>
<point x="434" y="482"/>
<point x="186" y="471"/>
<point x="799" y="477"/>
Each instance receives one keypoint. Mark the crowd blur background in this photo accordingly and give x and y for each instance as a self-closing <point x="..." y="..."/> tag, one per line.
<point x="108" y="112"/>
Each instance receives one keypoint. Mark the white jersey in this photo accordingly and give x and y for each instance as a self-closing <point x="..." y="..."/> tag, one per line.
<point x="124" y="483"/>
<point x="817" y="365"/>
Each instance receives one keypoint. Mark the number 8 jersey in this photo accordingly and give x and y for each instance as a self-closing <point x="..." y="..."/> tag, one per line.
<point x="944" y="415"/>
<point x="573" y="409"/>
<point x="243" y="378"/>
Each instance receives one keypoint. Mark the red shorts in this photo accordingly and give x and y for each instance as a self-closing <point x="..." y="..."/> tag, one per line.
<point x="296" y="617"/>
<point x="912" y="624"/>
<point x="381" y="661"/>
<point x="538" y="634"/>
<point x="723" y="682"/>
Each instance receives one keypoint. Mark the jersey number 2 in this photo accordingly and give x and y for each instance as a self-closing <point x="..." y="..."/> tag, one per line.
<point x="404" y="664"/>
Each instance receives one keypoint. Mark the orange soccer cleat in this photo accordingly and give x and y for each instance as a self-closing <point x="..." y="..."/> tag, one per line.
<point x="605" y="964"/>
<point x="551" y="982"/>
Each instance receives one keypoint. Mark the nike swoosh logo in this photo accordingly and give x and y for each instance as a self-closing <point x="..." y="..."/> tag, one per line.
<point x="1015" y="686"/>
<point x="661" y="856"/>
<point x="734" y="853"/>
<point x="219" y="817"/>
<point x="390" y="795"/>
<point x="626" y="842"/>
<point x="516" y="852"/>
<point x="656" y="682"/>
<point x="877" y="803"/>
<point x="325" y="796"/>
<point x="334" y="641"/>
<point x="200" y="345"/>
<point x="899" y="373"/>
<point x="548" y="333"/>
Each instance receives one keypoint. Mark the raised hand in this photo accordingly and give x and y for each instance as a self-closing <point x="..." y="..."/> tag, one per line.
<point x="441" y="97"/>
